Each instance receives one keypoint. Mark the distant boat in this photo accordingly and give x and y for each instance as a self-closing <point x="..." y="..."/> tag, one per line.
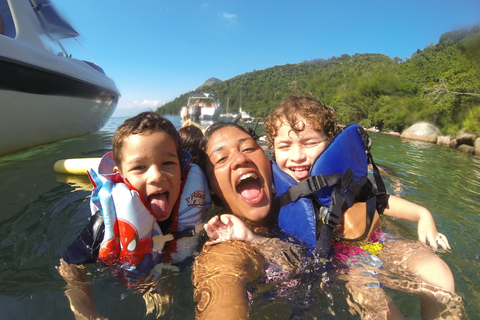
<point x="201" y="107"/>
<point x="46" y="96"/>
<point x="227" y="116"/>
<point x="241" y="115"/>
<point x="245" y="116"/>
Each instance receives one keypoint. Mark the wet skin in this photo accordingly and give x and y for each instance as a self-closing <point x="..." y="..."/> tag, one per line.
<point x="150" y="164"/>
<point x="239" y="173"/>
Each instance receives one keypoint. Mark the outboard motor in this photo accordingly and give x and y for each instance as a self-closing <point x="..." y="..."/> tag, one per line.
<point x="196" y="113"/>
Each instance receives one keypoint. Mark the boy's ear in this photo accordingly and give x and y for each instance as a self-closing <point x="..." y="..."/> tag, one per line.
<point x="115" y="169"/>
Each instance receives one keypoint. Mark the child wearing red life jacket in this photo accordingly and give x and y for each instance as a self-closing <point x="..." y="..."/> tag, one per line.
<point x="148" y="200"/>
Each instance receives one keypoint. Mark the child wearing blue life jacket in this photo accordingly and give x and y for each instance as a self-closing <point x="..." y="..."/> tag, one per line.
<point x="327" y="201"/>
<point x="303" y="141"/>
<point x="148" y="200"/>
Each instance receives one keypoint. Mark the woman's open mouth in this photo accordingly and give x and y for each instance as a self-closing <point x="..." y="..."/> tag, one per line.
<point x="249" y="187"/>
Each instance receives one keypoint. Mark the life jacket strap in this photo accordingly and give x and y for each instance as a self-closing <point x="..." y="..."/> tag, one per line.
<point x="331" y="220"/>
<point x="380" y="192"/>
<point x="189" y="232"/>
<point x="342" y="198"/>
<point x="308" y="186"/>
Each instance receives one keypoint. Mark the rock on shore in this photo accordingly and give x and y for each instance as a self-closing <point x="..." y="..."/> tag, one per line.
<point x="464" y="141"/>
<point x="427" y="132"/>
<point x="422" y="131"/>
<point x="467" y="138"/>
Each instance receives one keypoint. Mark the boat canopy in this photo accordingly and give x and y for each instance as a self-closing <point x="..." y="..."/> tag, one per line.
<point x="210" y="97"/>
<point x="52" y="22"/>
<point x="203" y="95"/>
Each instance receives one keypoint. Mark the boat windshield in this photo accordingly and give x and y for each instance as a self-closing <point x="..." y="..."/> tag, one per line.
<point x="53" y="24"/>
<point x="7" y="27"/>
<point x="203" y="100"/>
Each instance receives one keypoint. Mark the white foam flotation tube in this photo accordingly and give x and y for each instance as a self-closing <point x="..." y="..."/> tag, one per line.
<point x="76" y="166"/>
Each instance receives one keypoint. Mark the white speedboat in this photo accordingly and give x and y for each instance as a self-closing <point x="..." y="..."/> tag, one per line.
<point x="46" y="96"/>
<point x="245" y="116"/>
<point x="201" y="107"/>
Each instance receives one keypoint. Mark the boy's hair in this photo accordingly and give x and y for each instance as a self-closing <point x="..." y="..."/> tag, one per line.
<point x="315" y="113"/>
<point x="145" y="122"/>
<point x="190" y="137"/>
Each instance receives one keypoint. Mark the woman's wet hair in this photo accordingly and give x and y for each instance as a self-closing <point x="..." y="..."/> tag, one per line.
<point x="145" y="122"/>
<point x="217" y="126"/>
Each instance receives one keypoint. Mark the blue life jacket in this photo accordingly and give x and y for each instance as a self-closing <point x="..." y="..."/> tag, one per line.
<point x="312" y="209"/>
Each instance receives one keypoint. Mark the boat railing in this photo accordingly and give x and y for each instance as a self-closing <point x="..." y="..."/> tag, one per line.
<point x="95" y="66"/>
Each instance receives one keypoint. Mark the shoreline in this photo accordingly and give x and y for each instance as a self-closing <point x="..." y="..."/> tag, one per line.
<point x="464" y="142"/>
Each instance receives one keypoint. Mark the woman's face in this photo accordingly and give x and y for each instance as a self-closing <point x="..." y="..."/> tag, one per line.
<point x="239" y="173"/>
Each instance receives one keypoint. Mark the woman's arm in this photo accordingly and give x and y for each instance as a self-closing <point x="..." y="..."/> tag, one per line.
<point x="220" y="275"/>
<point x="78" y="292"/>
<point x="229" y="227"/>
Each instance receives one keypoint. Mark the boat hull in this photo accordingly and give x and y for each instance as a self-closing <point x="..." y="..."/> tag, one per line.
<point x="39" y="106"/>
<point x="44" y="96"/>
<point x="29" y="120"/>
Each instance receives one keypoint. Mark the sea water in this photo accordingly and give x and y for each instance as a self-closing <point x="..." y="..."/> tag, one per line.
<point x="42" y="213"/>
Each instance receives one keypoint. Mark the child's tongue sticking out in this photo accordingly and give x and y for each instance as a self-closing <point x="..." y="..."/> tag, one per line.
<point x="299" y="173"/>
<point x="159" y="204"/>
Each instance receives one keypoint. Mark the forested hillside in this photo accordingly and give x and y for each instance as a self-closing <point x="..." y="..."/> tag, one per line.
<point x="439" y="84"/>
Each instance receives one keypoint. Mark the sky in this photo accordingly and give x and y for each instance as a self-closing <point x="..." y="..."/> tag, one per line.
<point x="156" y="50"/>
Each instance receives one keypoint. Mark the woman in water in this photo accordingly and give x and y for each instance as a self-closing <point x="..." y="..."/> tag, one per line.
<point x="240" y="180"/>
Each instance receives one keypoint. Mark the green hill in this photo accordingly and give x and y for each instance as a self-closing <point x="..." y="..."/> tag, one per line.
<point x="439" y="84"/>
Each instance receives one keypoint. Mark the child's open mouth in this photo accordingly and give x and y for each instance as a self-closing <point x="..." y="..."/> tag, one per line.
<point x="249" y="187"/>
<point x="300" y="173"/>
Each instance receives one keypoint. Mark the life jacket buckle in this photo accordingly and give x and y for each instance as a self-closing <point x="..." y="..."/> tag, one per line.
<point x="334" y="212"/>
<point x="303" y="189"/>
<point x="316" y="183"/>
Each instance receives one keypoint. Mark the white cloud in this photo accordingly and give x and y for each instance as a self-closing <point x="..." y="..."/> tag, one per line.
<point x="146" y="103"/>
<point x="230" y="16"/>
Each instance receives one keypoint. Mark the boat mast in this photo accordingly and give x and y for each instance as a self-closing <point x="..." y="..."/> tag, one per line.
<point x="240" y="100"/>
